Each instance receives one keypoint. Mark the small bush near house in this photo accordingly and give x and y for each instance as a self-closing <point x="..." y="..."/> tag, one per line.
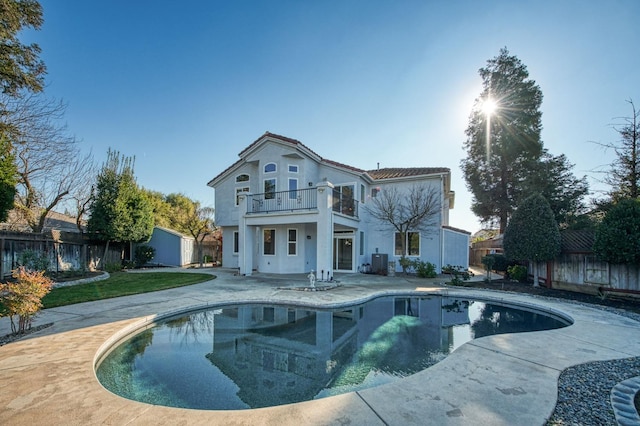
<point x="143" y="255"/>
<point x="405" y="263"/>
<point x="517" y="273"/>
<point x="424" y="269"/>
<point x="22" y="298"/>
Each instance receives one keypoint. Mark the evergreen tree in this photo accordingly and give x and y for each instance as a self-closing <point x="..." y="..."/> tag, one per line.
<point x="8" y="179"/>
<point x="532" y="234"/>
<point x="120" y="212"/>
<point x="503" y="147"/>
<point x="618" y="235"/>
<point x="20" y="66"/>
<point x="563" y="191"/>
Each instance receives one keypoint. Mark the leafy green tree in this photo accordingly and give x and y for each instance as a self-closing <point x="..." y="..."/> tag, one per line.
<point x="8" y="178"/>
<point x="503" y="147"/>
<point x="20" y="66"/>
<point x="120" y="212"/>
<point x="618" y="235"/>
<point x="190" y="218"/>
<point x="162" y="211"/>
<point x="532" y="234"/>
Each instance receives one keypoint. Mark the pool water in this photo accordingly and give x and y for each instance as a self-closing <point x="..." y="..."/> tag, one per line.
<point x="250" y="355"/>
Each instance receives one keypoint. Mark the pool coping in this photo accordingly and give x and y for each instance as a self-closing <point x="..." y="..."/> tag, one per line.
<point x="49" y="377"/>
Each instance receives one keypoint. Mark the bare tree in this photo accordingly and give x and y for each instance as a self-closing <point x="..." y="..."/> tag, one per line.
<point x="623" y="174"/>
<point x="50" y="164"/>
<point x="416" y="209"/>
<point x="82" y="196"/>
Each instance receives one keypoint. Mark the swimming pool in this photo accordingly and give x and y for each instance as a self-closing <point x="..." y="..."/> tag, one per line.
<point x="257" y="355"/>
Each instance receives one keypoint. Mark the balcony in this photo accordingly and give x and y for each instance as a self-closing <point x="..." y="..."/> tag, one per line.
<point x="299" y="199"/>
<point x="271" y="202"/>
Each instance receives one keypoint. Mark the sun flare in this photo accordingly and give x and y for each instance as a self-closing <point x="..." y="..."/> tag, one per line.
<point x="489" y="106"/>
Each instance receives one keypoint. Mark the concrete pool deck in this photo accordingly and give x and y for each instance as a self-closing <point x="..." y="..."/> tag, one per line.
<point x="48" y="377"/>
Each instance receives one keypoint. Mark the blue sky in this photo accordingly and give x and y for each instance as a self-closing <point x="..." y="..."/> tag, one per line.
<point x="185" y="86"/>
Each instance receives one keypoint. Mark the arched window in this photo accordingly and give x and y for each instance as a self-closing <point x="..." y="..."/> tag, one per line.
<point x="270" y="168"/>
<point x="242" y="178"/>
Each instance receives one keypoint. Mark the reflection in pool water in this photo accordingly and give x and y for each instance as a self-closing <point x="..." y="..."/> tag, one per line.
<point x="249" y="356"/>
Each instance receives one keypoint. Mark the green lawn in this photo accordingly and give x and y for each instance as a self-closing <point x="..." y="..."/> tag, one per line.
<point x="121" y="284"/>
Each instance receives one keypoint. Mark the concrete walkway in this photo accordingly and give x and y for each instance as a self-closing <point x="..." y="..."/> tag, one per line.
<point x="48" y="377"/>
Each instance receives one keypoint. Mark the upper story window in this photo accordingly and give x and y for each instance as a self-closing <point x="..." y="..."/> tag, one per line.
<point x="242" y="178"/>
<point x="270" y="168"/>
<point x="269" y="189"/>
<point x="374" y="192"/>
<point x="293" y="168"/>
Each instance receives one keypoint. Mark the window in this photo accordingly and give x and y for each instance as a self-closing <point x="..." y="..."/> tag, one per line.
<point x="269" y="189"/>
<point x="412" y="244"/>
<point x="343" y="200"/>
<point x="270" y="168"/>
<point x="239" y="191"/>
<point x="362" y="191"/>
<point x="293" y="189"/>
<point x="242" y="178"/>
<point x="293" y="168"/>
<point x="236" y="242"/>
<point x="269" y="242"/>
<point x="361" y="243"/>
<point x="374" y="192"/>
<point x="292" y="241"/>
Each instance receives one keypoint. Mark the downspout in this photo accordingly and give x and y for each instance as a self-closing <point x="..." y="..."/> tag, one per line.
<point x="441" y="221"/>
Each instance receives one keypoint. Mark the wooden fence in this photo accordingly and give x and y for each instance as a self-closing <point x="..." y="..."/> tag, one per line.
<point x="65" y="251"/>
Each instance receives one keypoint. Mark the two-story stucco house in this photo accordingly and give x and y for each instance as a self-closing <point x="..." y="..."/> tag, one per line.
<point x="285" y="209"/>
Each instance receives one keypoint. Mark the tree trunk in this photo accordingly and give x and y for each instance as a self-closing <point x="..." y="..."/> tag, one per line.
<point x="535" y="274"/>
<point x="104" y="256"/>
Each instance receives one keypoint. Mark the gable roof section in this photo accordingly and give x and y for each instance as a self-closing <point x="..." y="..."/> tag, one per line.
<point x="379" y="174"/>
<point x="287" y="141"/>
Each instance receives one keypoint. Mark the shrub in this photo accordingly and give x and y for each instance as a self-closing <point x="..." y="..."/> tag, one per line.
<point x="458" y="274"/>
<point x="517" y="273"/>
<point x="424" y="269"/>
<point x="33" y="260"/>
<point x="144" y="254"/>
<point x="23" y="297"/>
<point x="406" y="263"/>
<point x="499" y="262"/>
<point x="111" y="267"/>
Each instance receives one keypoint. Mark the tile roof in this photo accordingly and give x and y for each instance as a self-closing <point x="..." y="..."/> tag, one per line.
<point x="391" y="173"/>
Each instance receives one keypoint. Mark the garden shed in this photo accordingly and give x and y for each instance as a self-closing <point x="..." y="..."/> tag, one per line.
<point x="172" y="248"/>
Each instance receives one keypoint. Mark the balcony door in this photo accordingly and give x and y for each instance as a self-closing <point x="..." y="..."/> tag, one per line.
<point x="343" y="249"/>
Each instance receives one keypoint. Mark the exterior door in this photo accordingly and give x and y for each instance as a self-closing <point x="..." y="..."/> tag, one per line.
<point x="343" y="254"/>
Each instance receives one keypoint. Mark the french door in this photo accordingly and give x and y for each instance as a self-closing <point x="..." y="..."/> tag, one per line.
<point x="343" y="253"/>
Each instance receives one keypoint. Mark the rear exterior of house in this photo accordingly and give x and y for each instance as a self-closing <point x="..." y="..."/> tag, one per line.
<point x="284" y="209"/>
